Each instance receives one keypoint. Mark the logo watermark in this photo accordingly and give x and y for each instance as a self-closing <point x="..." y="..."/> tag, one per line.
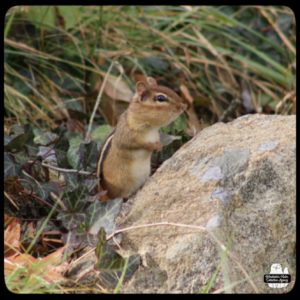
<point x="277" y="278"/>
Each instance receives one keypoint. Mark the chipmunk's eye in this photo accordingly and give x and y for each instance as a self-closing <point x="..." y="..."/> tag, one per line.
<point x="161" y="98"/>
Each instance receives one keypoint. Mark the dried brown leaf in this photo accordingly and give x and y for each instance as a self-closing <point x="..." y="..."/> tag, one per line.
<point x="12" y="235"/>
<point x="55" y="258"/>
<point x="16" y="262"/>
<point x="193" y="122"/>
<point x="31" y="230"/>
<point x="111" y="109"/>
<point x="36" y="267"/>
<point x="117" y="89"/>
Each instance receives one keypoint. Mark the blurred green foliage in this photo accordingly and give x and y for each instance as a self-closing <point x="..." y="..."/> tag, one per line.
<point x="54" y="53"/>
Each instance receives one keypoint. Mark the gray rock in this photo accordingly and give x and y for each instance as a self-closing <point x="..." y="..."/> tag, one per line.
<point x="237" y="182"/>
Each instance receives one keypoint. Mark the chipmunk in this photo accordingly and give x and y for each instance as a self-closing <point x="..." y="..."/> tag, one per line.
<point x="125" y="158"/>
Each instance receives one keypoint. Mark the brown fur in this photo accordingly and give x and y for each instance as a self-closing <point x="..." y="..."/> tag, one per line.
<point x="126" y="162"/>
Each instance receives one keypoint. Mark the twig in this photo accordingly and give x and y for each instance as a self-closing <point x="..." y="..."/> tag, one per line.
<point x="38" y="198"/>
<point x="11" y="200"/>
<point x="58" y="200"/>
<point x="66" y="170"/>
<point x="39" y="232"/>
<point x="285" y="40"/>
<point x="155" y="224"/>
<point x="87" y="136"/>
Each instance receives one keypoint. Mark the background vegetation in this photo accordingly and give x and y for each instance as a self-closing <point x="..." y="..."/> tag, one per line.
<point x="226" y="60"/>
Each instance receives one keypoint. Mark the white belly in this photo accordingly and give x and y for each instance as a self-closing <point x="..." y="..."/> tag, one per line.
<point x="140" y="168"/>
<point x="152" y="136"/>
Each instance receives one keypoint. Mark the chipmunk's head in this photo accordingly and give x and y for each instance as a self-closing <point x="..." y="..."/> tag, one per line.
<point x="156" y="104"/>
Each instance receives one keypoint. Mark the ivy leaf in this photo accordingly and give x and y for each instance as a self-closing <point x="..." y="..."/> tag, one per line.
<point x="7" y="139"/>
<point x="61" y="148"/>
<point x="17" y="143"/>
<point x="21" y="157"/>
<point x="47" y="154"/>
<point x="16" y="130"/>
<point x="10" y="167"/>
<point x="71" y="220"/>
<point x="44" y="138"/>
<point x="110" y="278"/>
<point x="111" y="264"/>
<point x="100" y="132"/>
<point x="180" y="124"/>
<point x="33" y="186"/>
<point x="73" y="151"/>
<point x="108" y="259"/>
<point x="75" y="199"/>
<point x="91" y="184"/>
<point x="72" y="238"/>
<point x="103" y="214"/>
<point x="88" y="155"/>
<point x="51" y="186"/>
<point x="71" y="180"/>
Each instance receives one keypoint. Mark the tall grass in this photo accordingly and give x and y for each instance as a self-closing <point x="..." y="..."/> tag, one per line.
<point x="53" y="55"/>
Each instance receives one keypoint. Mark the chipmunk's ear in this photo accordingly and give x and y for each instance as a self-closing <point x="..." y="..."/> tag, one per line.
<point x="151" y="81"/>
<point x="140" y="87"/>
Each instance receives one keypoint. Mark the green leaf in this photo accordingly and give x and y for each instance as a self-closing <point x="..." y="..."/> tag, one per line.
<point x="42" y="15"/>
<point x="10" y="167"/>
<point x="61" y="149"/>
<point x="73" y="151"/>
<point x="100" y="132"/>
<point x="18" y="143"/>
<point x="43" y="138"/>
<point x="102" y="215"/>
<point x="31" y="184"/>
<point x="88" y="155"/>
<point x="75" y="199"/>
<point x="71" y="180"/>
<point x="108" y="259"/>
<point x="91" y="184"/>
<point x="47" y="154"/>
<point x="110" y="278"/>
<point x="51" y="186"/>
<point x="71" y="220"/>
<point x="16" y="130"/>
<point x="101" y="242"/>
<point x="70" y="14"/>
<point x="7" y="139"/>
<point x="111" y="264"/>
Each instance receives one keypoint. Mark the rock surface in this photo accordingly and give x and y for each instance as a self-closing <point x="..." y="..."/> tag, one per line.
<point x="237" y="182"/>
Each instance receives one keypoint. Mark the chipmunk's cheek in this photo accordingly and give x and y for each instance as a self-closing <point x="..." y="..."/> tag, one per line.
<point x="178" y="110"/>
<point x="181" y="107"/>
